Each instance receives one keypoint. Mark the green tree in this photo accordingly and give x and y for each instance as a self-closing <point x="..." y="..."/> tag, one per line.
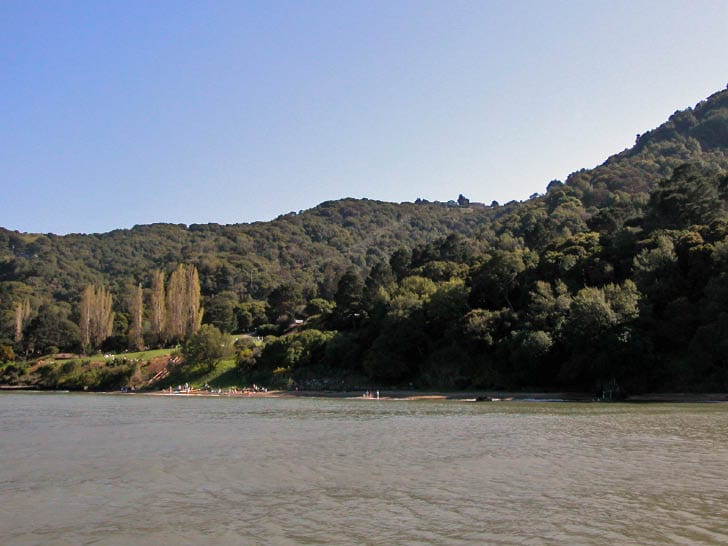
<point x="494" y="282"/>
<point x="446" y="307"/>
<point x="294" y="351"/>
<point x="348" y="299"/>
<point x="284" y="302"/>
<point x="136" y="315"/>
<point x="597" y="328"/>
<point x="183" y="310"/>
<point x="319" y="306"/>
<point x="6" y="354"/>
<point x="410" y="295"/>
<point x="208" y="346"/>
<point x="549" y="306"/>
<point x="486" y="327"/>
<point x="220" y="311"/>
<point x="51" y="330"/>
<point x="251" y="314"/>
<point x="528" y="355"/>
<point x="397" y="351"/>
<point x="158" y="306"/>
<point x="689" y="197"/>
<point x="400" y="262"/>
<point x="21" y="315"/>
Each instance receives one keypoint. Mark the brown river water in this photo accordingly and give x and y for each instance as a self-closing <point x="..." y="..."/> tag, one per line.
<point x="131" y="469"/>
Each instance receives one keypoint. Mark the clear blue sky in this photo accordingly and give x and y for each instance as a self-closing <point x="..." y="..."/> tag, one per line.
<point x="123" y="112"/>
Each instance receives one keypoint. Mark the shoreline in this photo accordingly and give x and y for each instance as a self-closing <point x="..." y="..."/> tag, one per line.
<point x="412" y="395"/>
<point x="468" y="396"/>
<point x="389" y="394"/>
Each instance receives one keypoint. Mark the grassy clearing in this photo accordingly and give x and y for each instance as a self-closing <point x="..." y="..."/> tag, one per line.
<point x="223" y="375"/>
<point x="91" y="371"/>
<point x="141" y="356"/>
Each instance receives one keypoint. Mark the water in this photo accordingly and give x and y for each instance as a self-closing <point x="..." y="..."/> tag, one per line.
<point x="95" y="469"/>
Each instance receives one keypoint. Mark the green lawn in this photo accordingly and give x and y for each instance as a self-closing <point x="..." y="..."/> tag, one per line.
<point x="225" y="374"/>
<point x="140" y="355"/>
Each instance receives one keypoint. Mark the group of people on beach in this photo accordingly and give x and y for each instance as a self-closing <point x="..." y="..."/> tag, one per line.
<point x="371" y="395"/>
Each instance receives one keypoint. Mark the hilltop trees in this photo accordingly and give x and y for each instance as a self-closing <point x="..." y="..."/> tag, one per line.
<point x="690" y="196"/>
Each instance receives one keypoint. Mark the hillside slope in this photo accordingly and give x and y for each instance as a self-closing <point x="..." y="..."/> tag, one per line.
<point x="250" y="259"/>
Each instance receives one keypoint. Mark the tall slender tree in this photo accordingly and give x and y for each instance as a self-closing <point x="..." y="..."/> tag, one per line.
<point x="22" y="313"/>
<point x="192" y="301"/>
<point x="96" y="318"/>
<point x="158" y="306"/>
<point x="85" y="313"/>
<point x="175" y="322"/>
<point x="136" y="314"/>
<point x="184" y="313"/>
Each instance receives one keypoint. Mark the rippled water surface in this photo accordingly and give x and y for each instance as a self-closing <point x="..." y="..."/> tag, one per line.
<point x="95" y="469"/>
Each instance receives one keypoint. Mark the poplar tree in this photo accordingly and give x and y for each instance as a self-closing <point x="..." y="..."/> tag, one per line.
<point x="184" y="313"/>
<point x="22" y="313"/>
<point x="192" y="301"/>
<point x="104" y="319"/>
<point x="96" y="318"/>
<point x="175" y="319"/>
<point x="136" y="314"/>
<point x="158" y="306"/>
<point x="85" y="313"/>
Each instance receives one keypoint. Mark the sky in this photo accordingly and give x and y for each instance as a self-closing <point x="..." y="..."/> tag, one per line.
<point x="116" y="113"/>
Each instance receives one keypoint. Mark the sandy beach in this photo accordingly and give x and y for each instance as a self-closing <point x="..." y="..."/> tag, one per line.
<point x="469" y="396"/>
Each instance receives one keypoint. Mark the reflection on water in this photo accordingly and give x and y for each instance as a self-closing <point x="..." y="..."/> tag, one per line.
<point x="94" y="469"/>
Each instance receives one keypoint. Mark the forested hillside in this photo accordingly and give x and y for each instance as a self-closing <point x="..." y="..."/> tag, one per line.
<point x="617" y="275"/>
<point x="302" y="255"/>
